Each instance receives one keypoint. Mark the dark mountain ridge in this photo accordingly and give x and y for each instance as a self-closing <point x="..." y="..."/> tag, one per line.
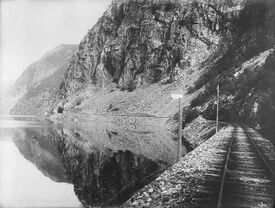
<point x="245" y="73"/>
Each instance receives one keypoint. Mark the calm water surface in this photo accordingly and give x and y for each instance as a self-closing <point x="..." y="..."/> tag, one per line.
<point x="46" y="165"/>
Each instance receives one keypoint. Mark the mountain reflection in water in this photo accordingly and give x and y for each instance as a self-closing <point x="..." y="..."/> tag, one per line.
<point x="106" y="166"/>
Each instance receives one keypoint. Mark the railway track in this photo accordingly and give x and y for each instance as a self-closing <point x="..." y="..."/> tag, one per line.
<point x="243" y="174"/>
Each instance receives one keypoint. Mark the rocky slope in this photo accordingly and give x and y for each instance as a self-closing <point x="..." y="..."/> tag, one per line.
<point x="39" y="81"/>
<point x="137" y="43"/>
<point x="153" y="48"/>
<point x="245" y="73"/>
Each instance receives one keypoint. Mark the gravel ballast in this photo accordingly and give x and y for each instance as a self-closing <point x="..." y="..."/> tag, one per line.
<point x="178" y="185"/>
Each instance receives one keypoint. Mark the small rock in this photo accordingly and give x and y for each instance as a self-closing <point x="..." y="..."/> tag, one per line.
<point x="165" y="193"/>
<point x="173" y="191"/>
<point x="151" y="190"/>
<point x="139" y="197"/>
<point x="178" y="187"/>
<point x="147" y="204"/>
<point x="135" y="203"/>
<point x="141" y="202"/>
<point x="165" y="199"/>
<point x="161" y="183"/>
<point x="154" y="195"/>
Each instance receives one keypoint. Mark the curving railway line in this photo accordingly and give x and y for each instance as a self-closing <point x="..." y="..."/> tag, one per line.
<point x="243" y="174"/>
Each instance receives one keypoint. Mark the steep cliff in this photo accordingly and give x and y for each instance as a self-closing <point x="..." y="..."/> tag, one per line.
<point x="138" y="42"/>
<point x="141" y="51"/>
<point x="245" y="73"/>
<point x="35" y="88"/>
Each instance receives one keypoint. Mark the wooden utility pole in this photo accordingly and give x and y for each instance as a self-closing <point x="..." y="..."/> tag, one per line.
<point x="217" y="113"/>
<point x="180" y="131"/>
<point x="178" y="96"/>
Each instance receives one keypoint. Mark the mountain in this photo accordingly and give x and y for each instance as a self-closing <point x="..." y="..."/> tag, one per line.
<point x="245" y="73"/>
<point x="36" y="86"/>
<point x="141" y="51"/>
<point x="138" y="43"/>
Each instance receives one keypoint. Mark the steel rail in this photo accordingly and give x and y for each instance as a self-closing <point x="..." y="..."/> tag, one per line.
<point x="224" y="169"/>
<point x="261" y="156"/>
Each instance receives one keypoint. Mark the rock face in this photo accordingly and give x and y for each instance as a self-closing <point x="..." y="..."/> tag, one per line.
<point x="137" y="43"/>
<point x="35" y="87"/>
<point x="245" y="73"/>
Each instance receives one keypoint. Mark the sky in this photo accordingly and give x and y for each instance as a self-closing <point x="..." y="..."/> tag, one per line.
<point x="30" y="28"/>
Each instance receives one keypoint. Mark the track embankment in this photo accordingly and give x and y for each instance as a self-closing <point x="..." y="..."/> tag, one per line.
<point x="234" y="168"/>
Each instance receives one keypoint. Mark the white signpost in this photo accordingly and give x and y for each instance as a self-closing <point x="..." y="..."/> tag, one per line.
<point x="179" y="96"/>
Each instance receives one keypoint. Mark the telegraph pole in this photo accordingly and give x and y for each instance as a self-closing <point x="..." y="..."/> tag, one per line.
<point x="217" y="113"/>
<point x="180" y="131"/>
<point x="178" y="96"/>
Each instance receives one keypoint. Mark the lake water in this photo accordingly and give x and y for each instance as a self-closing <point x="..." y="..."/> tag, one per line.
<point x="47" y="165"/>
